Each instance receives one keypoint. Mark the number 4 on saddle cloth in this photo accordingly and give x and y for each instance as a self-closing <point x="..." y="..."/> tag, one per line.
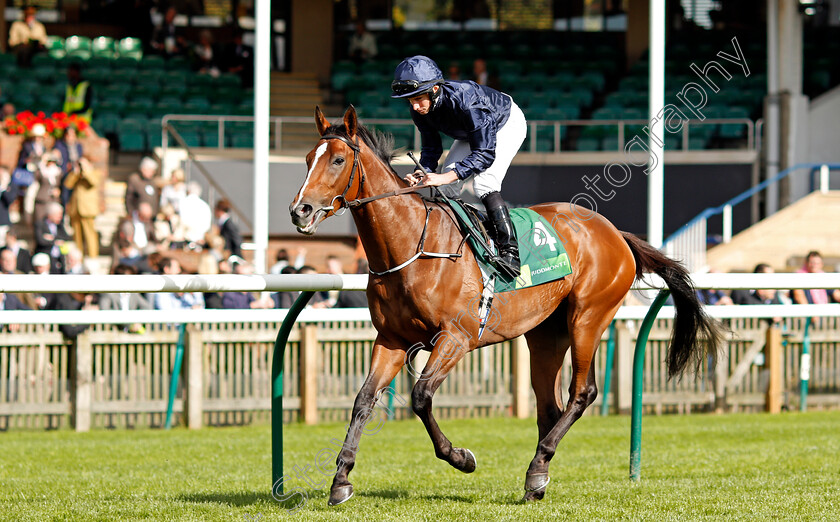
<point x="542" y="255"/>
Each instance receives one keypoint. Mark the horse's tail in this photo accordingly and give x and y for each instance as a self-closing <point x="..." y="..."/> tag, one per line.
<point x="696" y="336"/>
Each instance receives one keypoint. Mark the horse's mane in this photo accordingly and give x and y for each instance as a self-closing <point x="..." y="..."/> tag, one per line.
<point x="380" y="143"/>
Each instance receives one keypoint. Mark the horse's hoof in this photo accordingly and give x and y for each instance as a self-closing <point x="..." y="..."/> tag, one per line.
<point x="531" y="496"/>
<point x="469" y="463"/>
<point x="340" y="494"/>
<point x="535" y="484"/>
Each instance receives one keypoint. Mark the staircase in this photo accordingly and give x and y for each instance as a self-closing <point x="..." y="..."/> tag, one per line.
<point x="808" y="224"/>
<point x="295" y="94"/>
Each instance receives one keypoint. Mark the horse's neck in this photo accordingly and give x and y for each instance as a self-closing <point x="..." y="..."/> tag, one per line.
<point x="390" y="228"/>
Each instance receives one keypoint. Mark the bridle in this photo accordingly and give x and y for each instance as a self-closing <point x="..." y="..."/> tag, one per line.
<point x="358" y="166"/>
<point x="361" y="201"/>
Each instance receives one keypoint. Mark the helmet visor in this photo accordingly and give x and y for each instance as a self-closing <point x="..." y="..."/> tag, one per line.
<point x="406" y="88"/>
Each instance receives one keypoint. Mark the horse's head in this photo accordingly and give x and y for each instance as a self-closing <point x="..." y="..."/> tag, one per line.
<point x="333" y="171"/>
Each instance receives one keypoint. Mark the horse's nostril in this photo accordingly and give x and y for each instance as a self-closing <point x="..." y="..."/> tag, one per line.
<point x="303" y="210"/>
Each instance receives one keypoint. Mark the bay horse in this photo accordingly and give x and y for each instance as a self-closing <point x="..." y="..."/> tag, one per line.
<point x="428" y="302"/>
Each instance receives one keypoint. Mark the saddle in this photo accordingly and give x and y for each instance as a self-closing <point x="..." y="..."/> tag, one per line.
<point x="543" y="257"/>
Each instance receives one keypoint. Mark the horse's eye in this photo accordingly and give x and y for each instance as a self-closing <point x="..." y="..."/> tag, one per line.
<point x="338" y="161"/>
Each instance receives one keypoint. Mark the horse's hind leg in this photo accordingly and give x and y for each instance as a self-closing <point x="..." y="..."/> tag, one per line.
<point x="586" y="331"/>
<point x="548" y="344"/>
<point x="386" y="362"/>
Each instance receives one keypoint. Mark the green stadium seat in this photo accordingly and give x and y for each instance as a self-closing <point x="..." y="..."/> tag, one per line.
<point x="131" y="48"/>
<point x="132" y="135"/>
<point x="588" y="144"/>
<point x="178" y="63"/>
<point x="103" y="47"/>
<point x="152" y="62"/>
<point x="55" y="47"/>
<point x="106" y="122"/>
<point x="734" y="130"/>
<point x="78" y="47"/>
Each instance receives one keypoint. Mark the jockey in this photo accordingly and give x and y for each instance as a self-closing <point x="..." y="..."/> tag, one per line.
<point x="488" y="128"/>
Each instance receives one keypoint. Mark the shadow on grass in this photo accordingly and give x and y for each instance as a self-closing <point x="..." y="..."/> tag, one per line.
<point x="233" y="499"/>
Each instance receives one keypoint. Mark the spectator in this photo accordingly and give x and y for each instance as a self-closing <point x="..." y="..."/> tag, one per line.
<point x="169" y="230"/>
<point x="814" y="265"/>
<point x="174" y="191"/>
<point x="127" y="253"/>
<point x="48" y="176"/>
<point x="125" y="300"/>
<point x="8" y="195"/>
<point x="8" y="265"/>
<point x="480" y="74"/>
<point x="8" y="110"/>
<point x="318" y="300"/>
<point x="144" y="228"/>
<point x="285" y="299"/>
<point x="72" y="301"/>
<point x="8" y="262"/>
<point x="75" y="262"/>
<point x="31" y="152"/>
<point x="354" y="298"/>
<point x="11" y="302"/>
<point x="50" y="237"/>
<point x="227" y="228"/>
<point x="205" y="57"/>
<point x="196" y="216"/>
<point x="240" y="60"/>
<point x="27" y="37"/>
<point x="713" y="296"/>
<point x="41" y="266"/>
<point x="20" y="258"/>
<point x="142" y="186"/>
<point x="752" y="297"/>
<point x="453" y="72"/>
<point x="209" y="265"/>
<point x="362" y="44"/>
<point x="176" y="300"/>
<point x="70" y="151"/>
<point x="282" y="262"/>
<point x="244" y="300"/>
<point x="84" y="182"/>
<point x="165" y="37"/>
<point x="78" y="93"/>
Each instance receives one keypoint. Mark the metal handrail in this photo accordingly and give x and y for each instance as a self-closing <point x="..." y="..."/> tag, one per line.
<point x="278" y="121"/>
<point x="218" y="188"/>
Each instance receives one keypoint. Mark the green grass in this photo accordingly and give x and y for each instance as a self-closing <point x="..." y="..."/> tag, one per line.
<point x="698" y="467"/>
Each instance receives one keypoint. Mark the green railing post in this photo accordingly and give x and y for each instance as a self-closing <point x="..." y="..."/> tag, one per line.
<point x="176" y="374"/>
<point x="393" y="389"/>
<point x="608" y="365"/>
<point x="805" y="367"/>
<point x="277" y="390"/>
<point x="638" y="381"/>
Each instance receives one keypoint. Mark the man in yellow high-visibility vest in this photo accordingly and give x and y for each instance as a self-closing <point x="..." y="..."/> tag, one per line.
<point x="78" y="93"/>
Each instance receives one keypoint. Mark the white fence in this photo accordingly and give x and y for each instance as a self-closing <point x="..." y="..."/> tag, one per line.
<point x="131" y="372"/>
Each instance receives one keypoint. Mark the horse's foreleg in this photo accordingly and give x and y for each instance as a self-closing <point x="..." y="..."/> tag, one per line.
<point x="437" y="368"/>
<point x="385" y="363"/>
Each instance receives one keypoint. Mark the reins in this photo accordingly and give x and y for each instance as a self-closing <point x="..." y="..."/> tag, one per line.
<point x="353" y="203"/>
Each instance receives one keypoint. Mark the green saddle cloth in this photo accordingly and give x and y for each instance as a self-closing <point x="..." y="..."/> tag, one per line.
<point x="542" y="256"/>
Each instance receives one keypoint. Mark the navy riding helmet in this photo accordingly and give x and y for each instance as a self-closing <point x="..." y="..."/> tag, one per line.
<point x="415" y="76"/>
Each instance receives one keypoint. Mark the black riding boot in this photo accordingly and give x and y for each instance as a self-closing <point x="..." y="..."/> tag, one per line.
<point x="505" y="237"/>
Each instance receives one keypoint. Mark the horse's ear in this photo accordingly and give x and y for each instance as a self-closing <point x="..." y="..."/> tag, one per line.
<point x="320" y="121"/>
<point x="350" y="122"/>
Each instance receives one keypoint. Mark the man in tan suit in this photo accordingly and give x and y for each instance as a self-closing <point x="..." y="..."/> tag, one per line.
<point x="84" y="206"/>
